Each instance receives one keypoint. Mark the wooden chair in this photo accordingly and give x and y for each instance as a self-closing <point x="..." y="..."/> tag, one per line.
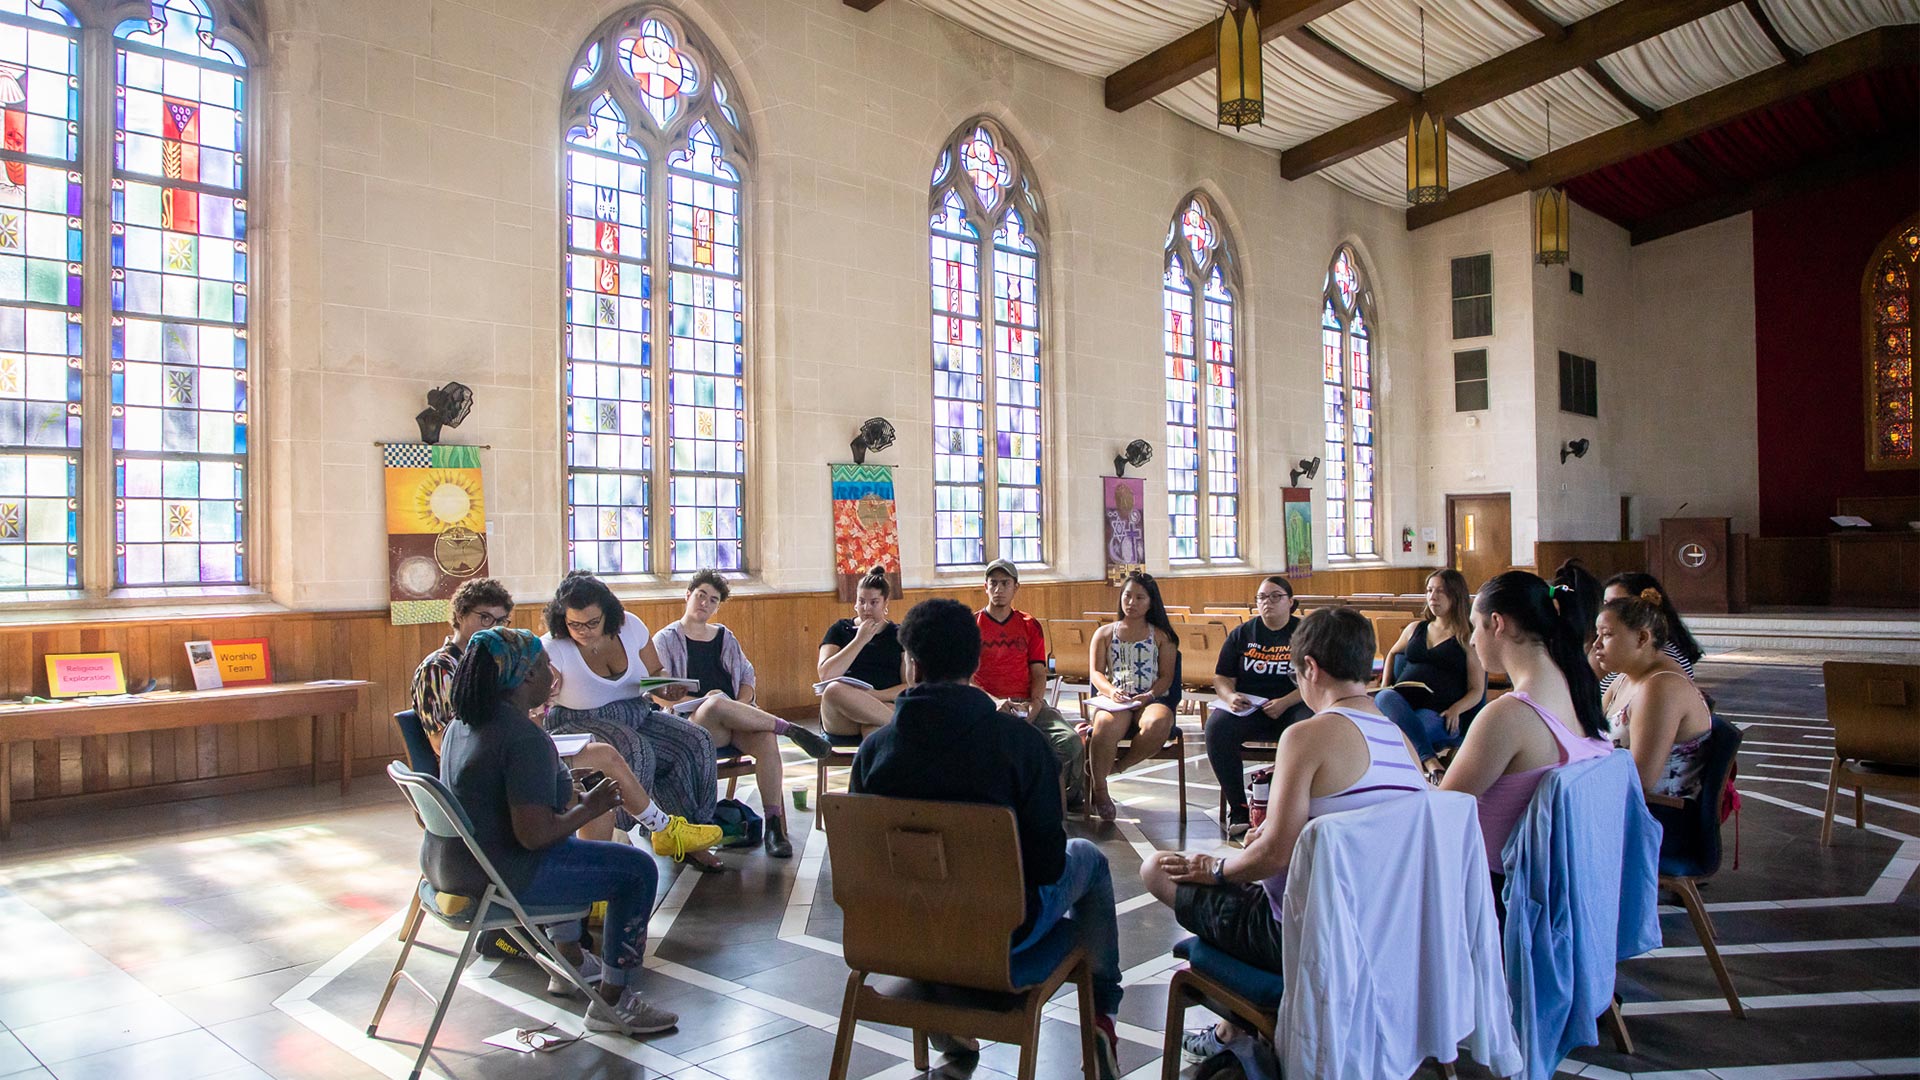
<point x="730" y="764"/>
<point x="1229" y="610"/>
<point x="1200" y="644"/>
<point x="839" y="756"/>
<point x="1875" y="713"/>
<point x="1071" y="639"/>
<point x="1690" y="845"/>
<point x="902" y="866"/>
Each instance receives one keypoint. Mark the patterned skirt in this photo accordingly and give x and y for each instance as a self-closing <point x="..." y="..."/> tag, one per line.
<point x="672" y="757"/>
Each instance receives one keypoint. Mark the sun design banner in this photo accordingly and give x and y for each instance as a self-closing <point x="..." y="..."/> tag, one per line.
<point x="436" y="528"/>
<point x="866" y="530"/>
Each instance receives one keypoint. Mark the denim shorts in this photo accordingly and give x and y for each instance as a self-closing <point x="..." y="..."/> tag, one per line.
<point x="1236" y="919"/>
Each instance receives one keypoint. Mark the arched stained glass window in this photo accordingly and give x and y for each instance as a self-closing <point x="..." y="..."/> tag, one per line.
<point x="1203" y="392"/>
<point x="986" y="220"/>
<point x="1888" y="296"/>
<point x="42" y="213"/>
<point x="180" y="274"/>
<point x="1346" y="354"/>
<point x="656" y="158"/>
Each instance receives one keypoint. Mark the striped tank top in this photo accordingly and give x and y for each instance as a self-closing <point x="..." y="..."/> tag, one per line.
<point x="1392" y="773"/>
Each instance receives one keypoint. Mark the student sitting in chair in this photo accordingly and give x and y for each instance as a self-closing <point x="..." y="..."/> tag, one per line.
<point x="700" y="649"/>
<point x="1135" y="664"/>
<point x="1013" y="669"/>
<point x="1344" y="757"/>
<point x="477" y="605"/>
<point x="1255" y="662"/>
<point x="865" y="647"/>
<point x="525" y="807"/>
<point x="946" y="742"/>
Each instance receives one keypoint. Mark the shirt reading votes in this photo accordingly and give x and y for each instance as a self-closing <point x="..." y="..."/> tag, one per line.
<point x="1259" y="660"/>
<point x="1006" y="650"/>
<point x="878" y="664"/>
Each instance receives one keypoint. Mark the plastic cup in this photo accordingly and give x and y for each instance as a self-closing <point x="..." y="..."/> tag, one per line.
<point x="799" y="798"/>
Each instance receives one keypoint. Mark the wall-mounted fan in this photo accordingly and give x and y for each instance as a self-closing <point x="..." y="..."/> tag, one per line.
<point x="875" y="434"/>
<point x="1307" y="467"/>
<point x="446" y="407"/>
<point x="1137" y="453"/>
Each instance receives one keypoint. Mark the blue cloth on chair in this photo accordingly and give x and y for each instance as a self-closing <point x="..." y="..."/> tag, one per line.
<point x="1263" y="988"/>
<point x="1031" y="965"/>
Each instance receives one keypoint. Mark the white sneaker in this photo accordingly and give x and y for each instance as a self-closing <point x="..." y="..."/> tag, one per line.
<point x="589" y="967"/>
<point x="634" y="1014"/>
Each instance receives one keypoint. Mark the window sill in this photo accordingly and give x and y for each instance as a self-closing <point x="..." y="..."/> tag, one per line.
<point x="138" y="605"/>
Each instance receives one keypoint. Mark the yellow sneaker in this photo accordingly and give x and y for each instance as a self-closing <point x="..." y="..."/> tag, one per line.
<point x="682" y="836"/>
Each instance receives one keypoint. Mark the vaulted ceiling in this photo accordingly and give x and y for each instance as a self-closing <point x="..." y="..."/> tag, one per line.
<point x="1641" y="94"/>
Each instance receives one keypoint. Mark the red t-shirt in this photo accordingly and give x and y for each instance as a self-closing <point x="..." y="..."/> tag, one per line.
<point x="1006" y="648"/>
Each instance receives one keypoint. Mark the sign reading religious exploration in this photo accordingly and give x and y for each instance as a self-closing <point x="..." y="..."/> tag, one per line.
<point x="1125" y="515"/>
<point x="83" y="674"/>
<point x="436" y="528"/>
<point x="866" y="529"/>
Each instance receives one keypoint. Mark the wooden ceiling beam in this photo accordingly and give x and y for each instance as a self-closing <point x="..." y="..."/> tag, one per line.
<point x="1619" y="93"/>
<point x="1191" y="55"/>
<point x="1883" y="47"/>
<point x="1787" y="52"/>
<point x="1343" y="62"/>
<point x="1603" y="33"/>
<point x="1812" y="176"/>
<point x="1530" y="13"/>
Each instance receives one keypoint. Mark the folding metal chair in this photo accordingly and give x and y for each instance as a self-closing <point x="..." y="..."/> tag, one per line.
<point x="494" y="910"/>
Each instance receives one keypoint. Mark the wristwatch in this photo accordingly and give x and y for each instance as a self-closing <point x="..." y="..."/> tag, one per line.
<point x="1219" y="871"/>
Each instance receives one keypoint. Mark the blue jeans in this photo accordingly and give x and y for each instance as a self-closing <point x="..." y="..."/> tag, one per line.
<point x="1085" y="888"/>
<point x="582" y="872"/>
<point x="1424" y="728"/>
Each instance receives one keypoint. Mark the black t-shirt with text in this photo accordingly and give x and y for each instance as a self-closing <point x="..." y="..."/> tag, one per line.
<point x="878" y="664"/>
<point x="1259" y="660"/>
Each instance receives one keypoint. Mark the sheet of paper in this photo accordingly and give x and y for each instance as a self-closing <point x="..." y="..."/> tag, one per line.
<point x="857" y="684"/>
<point x="569" y="745"/>
<point x="1111" y="705"/>
<point x="1254" y="701"/>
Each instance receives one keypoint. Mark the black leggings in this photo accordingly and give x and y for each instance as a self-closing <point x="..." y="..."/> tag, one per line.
<point x="1225" y="733"/>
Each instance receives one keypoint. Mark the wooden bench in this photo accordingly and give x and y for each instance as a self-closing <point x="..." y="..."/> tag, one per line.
<point x="165" y="711"/>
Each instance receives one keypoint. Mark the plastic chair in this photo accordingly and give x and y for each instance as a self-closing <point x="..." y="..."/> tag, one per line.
<point x="1690" y="847"/>
<point x="1875" y="713"/>
<point x="494" y="910"/>
<point x="901" y="866"/>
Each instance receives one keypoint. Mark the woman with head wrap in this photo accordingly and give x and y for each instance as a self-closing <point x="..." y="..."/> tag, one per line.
<point x="525" y="807"/>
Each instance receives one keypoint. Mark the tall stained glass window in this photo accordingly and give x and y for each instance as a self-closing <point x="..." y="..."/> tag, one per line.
<point x="654" y="171"/>
<point x="1203" y="407"/>
<point x="1888" y="296"/>
<point x="1347" y="377"/>
<point x="41" y="294"/>
<point x="985" y="220"/>
<point x="180" y="347"/>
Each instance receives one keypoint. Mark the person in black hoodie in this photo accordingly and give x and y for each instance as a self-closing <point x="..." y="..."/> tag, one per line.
<point x="946" y="742"/>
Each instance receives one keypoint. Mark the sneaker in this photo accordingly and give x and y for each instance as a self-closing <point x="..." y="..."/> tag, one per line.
<point x="1237" y="822"/>
<point x="634" y="1014"/>
<point x="1106" y="1044"/>
<point x="589" y="968"/>
<point x="815" y="746"/>
<point x="953" y="1045"/>
<point x="1200" y="1044"/>
<point x="681" y="836"/>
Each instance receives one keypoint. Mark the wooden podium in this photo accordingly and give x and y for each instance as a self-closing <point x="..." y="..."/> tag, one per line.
<point x="1702" y="564"/>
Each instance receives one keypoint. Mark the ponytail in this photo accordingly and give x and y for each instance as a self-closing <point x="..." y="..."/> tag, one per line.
<point x="1550" y="615"/>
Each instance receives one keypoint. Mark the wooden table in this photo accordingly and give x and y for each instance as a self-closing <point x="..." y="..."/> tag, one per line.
<point x="165" y="710"/>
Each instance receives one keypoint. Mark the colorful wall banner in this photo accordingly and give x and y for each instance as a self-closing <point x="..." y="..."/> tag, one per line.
<point x="436" y="528"/>
<point x="1296" y="506"/>
<point x="866" y="527"/>
<point x="1125" y="503"/>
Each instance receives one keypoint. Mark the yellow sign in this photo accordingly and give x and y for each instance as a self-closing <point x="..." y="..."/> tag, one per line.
<point x="83" y="674"/>
<point x="242" y="662"/>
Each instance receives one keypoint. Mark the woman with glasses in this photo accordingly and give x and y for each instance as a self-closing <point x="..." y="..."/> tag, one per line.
<point x="600" y="655"/>
<point x="1255" y="697"/>
<point x="700" y="649"/>
<point x="478" y="604"/>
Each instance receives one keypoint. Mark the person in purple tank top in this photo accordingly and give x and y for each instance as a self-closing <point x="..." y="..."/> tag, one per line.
<point x="1344" y="757"/>
<point x="1531" y="631"/>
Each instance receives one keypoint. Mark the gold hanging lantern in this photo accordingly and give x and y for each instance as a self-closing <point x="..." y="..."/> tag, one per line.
<point x="1426" y="159"/>
<point x="1426" y="143"/>
<point x="1551" y="221"/>
<point x="1242" y="101"/>
<point x="1552" y="216"/>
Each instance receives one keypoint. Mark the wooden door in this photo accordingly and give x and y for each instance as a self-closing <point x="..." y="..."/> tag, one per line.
<point x="1480" y="535"/>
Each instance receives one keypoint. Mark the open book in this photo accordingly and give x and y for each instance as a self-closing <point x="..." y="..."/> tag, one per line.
<point x="657" y="682"/>
<point x="857" y="684"/>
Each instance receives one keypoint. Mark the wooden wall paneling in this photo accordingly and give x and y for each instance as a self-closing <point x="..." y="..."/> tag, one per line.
<point x="134" y="639"/>
<point x="72" y="767"/>
<point x="1603" y="558"/>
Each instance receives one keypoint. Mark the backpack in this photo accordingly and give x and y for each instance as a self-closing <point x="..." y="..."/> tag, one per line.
<point x="738" y="823"/>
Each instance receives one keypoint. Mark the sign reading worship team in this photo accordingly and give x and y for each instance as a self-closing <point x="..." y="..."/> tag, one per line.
<point x="436" y="528"/>
<point x="866" y="528"/>
<point x="1126" y="525"/>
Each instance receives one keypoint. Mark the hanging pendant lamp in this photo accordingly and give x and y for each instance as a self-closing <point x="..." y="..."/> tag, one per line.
<point x="1242" y="100"/>
<point x="1551" y="215"/>
<point x="1426" y="142"/>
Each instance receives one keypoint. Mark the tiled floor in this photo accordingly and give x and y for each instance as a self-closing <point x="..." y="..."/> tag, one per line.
<point x="250" y="936"/>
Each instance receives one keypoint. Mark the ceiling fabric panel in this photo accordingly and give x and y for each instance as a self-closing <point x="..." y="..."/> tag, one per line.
<point x="1572" y="11"/>
<point x="1810" y="25"/>
<point x="1304" y="98"/>
<point x="1385" y="36"/>
<point x="1686" y="61"/>
<point x="1092" y="37"/>
<point x="1380" y="174"/>
<point x="1517" y="123"/>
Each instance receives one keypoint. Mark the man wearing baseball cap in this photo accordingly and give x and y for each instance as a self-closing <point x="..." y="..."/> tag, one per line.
<point x="1013" y="670"/>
